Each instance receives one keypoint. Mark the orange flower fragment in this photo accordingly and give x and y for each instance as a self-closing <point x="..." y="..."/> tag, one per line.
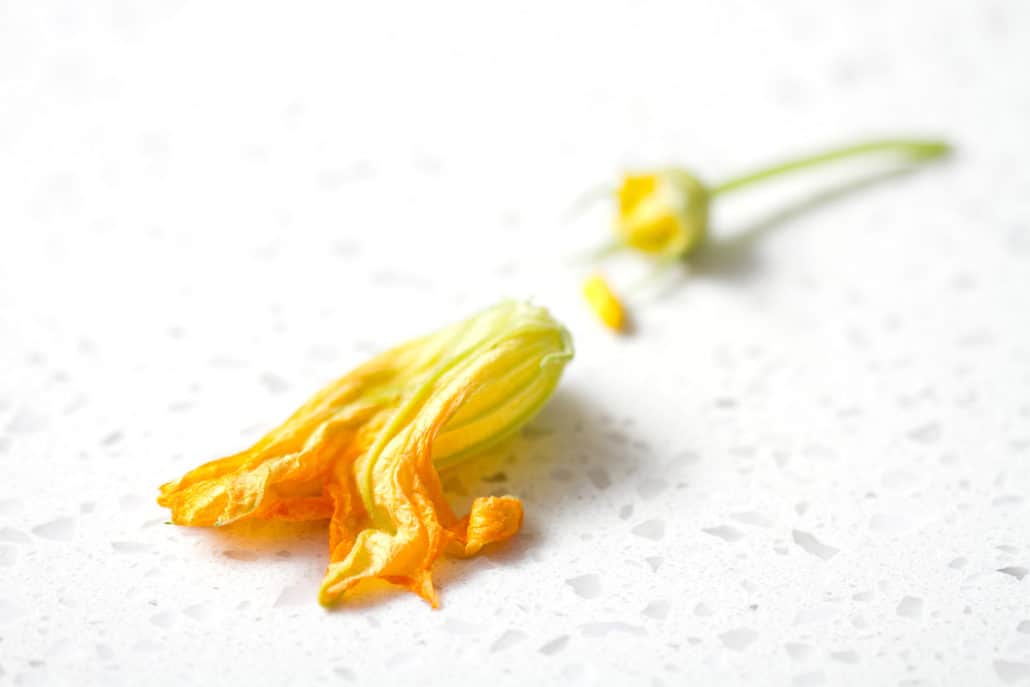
<point x="364" y="451"/>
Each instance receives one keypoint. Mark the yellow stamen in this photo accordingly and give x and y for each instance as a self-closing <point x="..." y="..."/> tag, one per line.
<point x="604" y="302"/>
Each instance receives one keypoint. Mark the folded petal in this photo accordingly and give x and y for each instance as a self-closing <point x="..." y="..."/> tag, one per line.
<point x="404" y="522"/>
<point x="491" y="519"/>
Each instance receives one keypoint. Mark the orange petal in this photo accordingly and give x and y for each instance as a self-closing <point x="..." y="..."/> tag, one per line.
<point x="491" y="519"/>
<point x="256" y="483"/>
<point x="406" y="521"/>
<point x="300" y="509"/>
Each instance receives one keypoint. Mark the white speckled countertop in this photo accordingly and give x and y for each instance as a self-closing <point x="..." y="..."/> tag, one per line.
<point x="809" y="466"/>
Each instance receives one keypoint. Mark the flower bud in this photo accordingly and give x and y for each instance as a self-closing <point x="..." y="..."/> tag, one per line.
<point x="663" y="213"/>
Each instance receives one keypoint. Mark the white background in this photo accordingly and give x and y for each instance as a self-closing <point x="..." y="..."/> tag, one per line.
<point x="807" y="466"/>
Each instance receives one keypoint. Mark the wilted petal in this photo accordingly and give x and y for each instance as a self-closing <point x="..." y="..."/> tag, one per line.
<point x="391" y="520"/>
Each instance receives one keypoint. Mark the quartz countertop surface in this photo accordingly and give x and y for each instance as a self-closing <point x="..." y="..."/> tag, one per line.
<point x="809" y="464"/>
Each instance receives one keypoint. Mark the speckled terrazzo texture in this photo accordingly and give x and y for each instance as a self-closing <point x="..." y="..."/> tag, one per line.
<point x="810" y="465"/>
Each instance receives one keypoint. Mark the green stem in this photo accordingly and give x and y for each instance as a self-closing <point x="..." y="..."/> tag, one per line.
<point x="915" y="150"/>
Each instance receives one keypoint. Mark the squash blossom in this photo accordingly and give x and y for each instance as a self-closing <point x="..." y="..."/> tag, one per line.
<point x="364" y="451"/>
<point x="664" y="214"/>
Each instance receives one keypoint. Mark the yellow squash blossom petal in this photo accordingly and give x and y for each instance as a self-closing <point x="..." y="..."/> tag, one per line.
<point x="365" y="450"/>
<point x="662" y="213"/>
<point x="391" y="520"/>
<point x="604" y="302"/>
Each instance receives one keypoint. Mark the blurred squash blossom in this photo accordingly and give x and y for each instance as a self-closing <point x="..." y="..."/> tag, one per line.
<point x="664" y="214"/>
<point x="364" y="451"/>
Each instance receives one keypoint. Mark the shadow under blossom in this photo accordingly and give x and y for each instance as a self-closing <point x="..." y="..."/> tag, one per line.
<point x="544" y="467"/>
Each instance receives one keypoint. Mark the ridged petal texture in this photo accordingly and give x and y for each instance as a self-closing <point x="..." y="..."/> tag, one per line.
<point x="364" y="451"/>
